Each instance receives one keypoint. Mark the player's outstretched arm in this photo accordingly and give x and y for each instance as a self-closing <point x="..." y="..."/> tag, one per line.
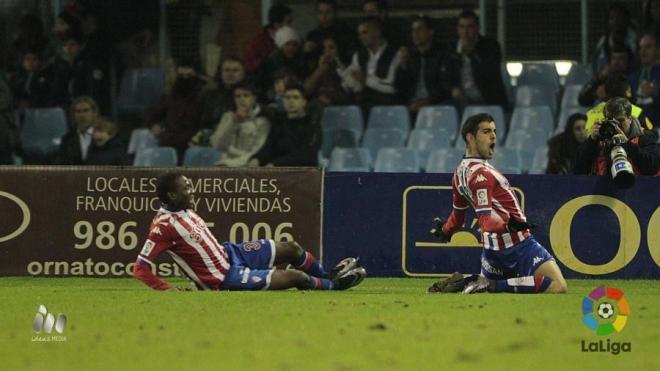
<point x="142" y="272"/>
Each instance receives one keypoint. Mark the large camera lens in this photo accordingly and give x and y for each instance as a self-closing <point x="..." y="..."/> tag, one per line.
<point x="622" y="170"/>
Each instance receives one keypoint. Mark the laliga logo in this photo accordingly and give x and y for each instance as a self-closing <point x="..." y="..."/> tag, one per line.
<point x="26" y="216"/>
<point x="605" y="311"/>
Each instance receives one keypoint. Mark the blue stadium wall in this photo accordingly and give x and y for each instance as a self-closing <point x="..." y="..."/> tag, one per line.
<point x="591" y="227"/>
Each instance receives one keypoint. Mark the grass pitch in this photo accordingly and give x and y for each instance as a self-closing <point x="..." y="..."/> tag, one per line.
<point x="384" y="324"/>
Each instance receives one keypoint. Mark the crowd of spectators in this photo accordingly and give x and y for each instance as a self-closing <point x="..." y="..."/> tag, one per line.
<point x="264" y="108"/>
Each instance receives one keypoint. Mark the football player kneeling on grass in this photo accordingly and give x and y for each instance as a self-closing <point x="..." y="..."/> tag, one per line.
<point x="512" y="260"/>
<point x="210" y="265"/>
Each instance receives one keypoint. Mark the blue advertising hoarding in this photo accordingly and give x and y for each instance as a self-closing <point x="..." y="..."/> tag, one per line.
<point x="590" y="226"/>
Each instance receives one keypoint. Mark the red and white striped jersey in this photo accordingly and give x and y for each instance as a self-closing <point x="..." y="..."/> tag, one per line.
<point x="185" y="236"/>
<point x="478" y="184"/>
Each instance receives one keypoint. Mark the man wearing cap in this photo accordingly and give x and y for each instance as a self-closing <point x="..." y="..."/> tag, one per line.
<point x="288" y="57"/>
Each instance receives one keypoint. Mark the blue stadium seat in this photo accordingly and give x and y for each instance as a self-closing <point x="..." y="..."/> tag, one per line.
<point x="350" y="159"/>
<point x="139" y="88"/>
<point x="141" y="138"/>
<point x="201" y="156"/>
<point x="376" y="138"/>
<point x="498" y="114"/>
<point x="565" y="114"/>
<point x="579" y="74"/>
<point x="426" y="140"/>
<point x="540" y="161"/>
<point x="536" y="95"/>
<point x="526" y="142"/>
<point x="524" y="118"/>
<point x="444" y="160"/>
<point x="343" y="117"/>
<point x="397" y="160"/>
<point x="389" y="117"/>
<point x="507" y="161"/>
<point x="156" y="156"/>
<point x="570" y="97"/>
<point x="540" y="74"/>
<point x="431" y="117"/>
<point x="41" y="132"/>
<point x="332" y="138"/>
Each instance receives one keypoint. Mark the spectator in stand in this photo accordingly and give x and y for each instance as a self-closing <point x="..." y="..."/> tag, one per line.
<point x="325" y="82"/>
<point x="374" y="66"/>
<point x="30" y="37"/>
<point x="426" y="75"/>
<point x="479" y="59"/>
<point x="294" y="138"/>
<point x="176" y="117"/>
<point x="563" y="146"/>
<point x="242" y="132"/>
<point x="275" y="95"/>
<point x="620" y="61"/>
<point x="67" y="25"/>
<point x="76" y="73"/>
<point x="394" y="33"/>
<point x="330" y="27"/>
<point x="288" y="57"/>
<point x="217" y="101"/>
<point x="7" y="129"/>
<point x="619" y="32"/>
<point x="32" y="83"/>
<point x="645" y="81"/>
<point x="75" y="144"/>
<point x="106" y="148"/>
<point x="263" y="44"/>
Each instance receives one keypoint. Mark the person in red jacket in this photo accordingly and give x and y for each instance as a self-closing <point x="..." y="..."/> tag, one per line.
<point x="264" y="43"/>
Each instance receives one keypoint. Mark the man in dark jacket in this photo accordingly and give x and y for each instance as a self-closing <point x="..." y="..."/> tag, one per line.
<point x="330" y="26"/>
<point x="75" y="144"/>
<point x="426" y="75"/>
<point x="294" y="138"/>
<point x="107" y="148"/>
<point x="640" y="145"/>
<point x="479" y="59"/>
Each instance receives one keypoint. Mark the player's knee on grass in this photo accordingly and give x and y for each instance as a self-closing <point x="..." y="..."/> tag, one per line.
<point x="287" y="251"/>
<point x="558" y="286"/>
<point x="286" y="279"/>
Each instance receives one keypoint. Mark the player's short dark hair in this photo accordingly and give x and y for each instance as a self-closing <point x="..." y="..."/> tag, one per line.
<point x="471" y="125"/>
<point x="165" y="184"/>
<point x="617" y="106"/>
<point x="469" y="13"/>
<point x="428" y="22"/>
<point x="616" y="85"/>
<point x="277" y="13"/>
<point x="373" y="21"/>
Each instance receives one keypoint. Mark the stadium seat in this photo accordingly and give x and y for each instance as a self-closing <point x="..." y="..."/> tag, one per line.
<point x="426" y="140"/>
<point x="565" y="114"/>
<point x="139" y="88"/>
<point x="540" y="161"/>
<point x="444" y="160"/>
<point x="389" y="117"/>
<point x="332" y="138"/>
<point x="495" y="111"/>
<point x="524" y="118"/>
<point x="432" y="117"/>
<point x="375" y="139"/>
<point x="540" y="74"/>
<point x="535" y="95"/>
<point x="201" y="156"/>
<point x="508" y="83"/>
<point x="579" y="74"/>
<point x="570" y="97"/>
<point x="156" y="156"/>
<point x="350" y="159"/>
<point x="526" y="142"/>
<point x="396" y="160"/>
<point x="343" y="117"/>
<point x="507" y="161"/>
<point x="41" y="133"/>
<point x="141" y="138"/>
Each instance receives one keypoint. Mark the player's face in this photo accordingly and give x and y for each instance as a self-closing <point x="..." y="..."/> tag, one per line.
<point x="483" y="144"/>
<point x="183" y="195"/>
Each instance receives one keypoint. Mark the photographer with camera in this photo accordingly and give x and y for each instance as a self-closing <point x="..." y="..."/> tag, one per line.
<point x="619" y="145"/>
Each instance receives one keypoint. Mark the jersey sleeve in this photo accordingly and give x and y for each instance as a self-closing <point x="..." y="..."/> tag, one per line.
<point x="158" y="240"/>
<point x="458" y="202"/>
<point x="482" y="185"/>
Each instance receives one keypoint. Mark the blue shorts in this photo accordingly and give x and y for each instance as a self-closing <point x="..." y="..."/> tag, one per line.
<point x="518" y="261"/>
<point x="251" y="265"/>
